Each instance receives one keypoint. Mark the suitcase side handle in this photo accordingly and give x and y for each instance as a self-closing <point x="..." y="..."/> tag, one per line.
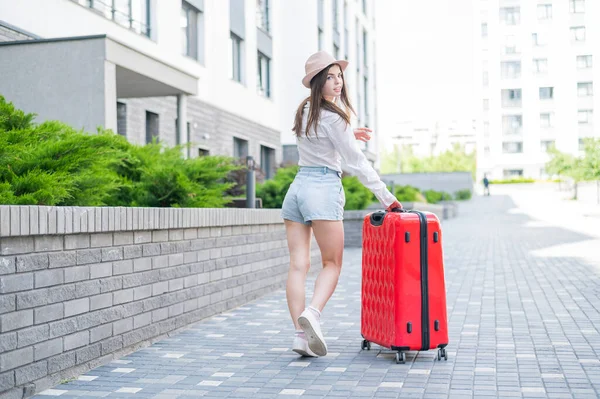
<point x="376" y="218"/>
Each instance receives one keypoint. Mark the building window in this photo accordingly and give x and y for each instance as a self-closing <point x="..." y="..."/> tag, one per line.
<point x="336" y="51"/>
<point x="584" y="116"/>
<point x="335" y="11"/>
<point x="539" y="39"/>
<point x="578" y="33"/>
<point x="122" y="119"/>
<point x="486" y="129"/>
<point x="203" y="152"/>
<point x="484" y="30"/>
<point x="547" y="120"/>
<point x="364" y="6"/>
<point x="511" y="98"/>
<point x="511" y="69"/>
<point x="508" y="173"/>
<point x="540" y="65"/>
<point x="510" y="45"/>
<point x="359" y="103"/>
<point x="235" y="44"/>
<point x="189" y="30"/>
<point x="365" y="48"/>
<point x="546" y="93"/>
<point x="320" y="39"/>
<point x="346" y="32"/>
<point x="577" y="6"/>
<point x="132" y="14"/>
<point x="584" y="61"/>
<point x="486" y="150"/>
<point x="510" y="15"/>
<point x="486" y="104"/>
<point x="366" y="95"/>
<point x="152" y="125"/>
<point x="264" y="75"/>
<point x="512" y="125"/>
<point x="262" y="15"/>
<point x="512" y="147"/>
<point x="585" y="89"/>
<point x="357" y="31"/>
<point x="240" y="148"/>
<point x="544" y="11"/>
<point x="545" y="145"/>
<point x="267" y="161"/>
<point x="486" y="78"/>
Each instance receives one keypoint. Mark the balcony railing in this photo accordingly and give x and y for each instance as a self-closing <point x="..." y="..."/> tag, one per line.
<point x="131" y="14"/>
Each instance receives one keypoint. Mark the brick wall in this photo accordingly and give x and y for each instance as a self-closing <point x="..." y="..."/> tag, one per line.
<point x="81" y="286"/>
<point x="220" y="126"/>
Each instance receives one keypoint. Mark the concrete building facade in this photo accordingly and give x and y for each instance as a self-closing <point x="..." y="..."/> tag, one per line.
<point x="230" y="69"/>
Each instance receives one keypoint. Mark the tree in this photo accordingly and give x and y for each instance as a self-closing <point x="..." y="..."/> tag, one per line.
<point x="579" y="169"/>
<point x="455" y="159"/>
<point x="591" y="163"/>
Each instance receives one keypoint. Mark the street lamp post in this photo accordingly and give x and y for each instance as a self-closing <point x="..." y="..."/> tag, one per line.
<point x="250" y="183"/>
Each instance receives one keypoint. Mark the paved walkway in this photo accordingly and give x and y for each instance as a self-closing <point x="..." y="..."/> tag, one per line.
<point x="524" y="313"/>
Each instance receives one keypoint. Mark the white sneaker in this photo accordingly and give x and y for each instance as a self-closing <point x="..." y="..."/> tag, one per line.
<point x="312" y="329"/>
<point x="300" y="346"/>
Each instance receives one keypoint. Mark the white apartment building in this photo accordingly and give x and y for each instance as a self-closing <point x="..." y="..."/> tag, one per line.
<point x="345" y="29"/>
<point x="537" y="63"/>
<point x="231" y="69"/>
<point x="429" y="137"/>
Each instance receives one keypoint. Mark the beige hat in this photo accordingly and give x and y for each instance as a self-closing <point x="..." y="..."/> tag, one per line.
<point x="317" y="62"/>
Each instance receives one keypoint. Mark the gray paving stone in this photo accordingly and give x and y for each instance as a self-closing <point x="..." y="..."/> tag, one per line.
<point x="511" y="314"/>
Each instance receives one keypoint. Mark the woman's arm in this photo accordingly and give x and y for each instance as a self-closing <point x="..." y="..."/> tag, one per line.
<point x="342" y="136"/>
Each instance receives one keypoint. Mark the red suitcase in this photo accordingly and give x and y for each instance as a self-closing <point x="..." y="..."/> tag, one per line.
<point x="403" y="304"/>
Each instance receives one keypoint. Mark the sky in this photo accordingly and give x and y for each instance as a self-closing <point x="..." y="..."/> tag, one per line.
<point x="424" y="61"/>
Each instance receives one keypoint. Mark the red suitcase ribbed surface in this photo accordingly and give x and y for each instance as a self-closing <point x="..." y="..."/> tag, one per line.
<point x="392" y="286"/>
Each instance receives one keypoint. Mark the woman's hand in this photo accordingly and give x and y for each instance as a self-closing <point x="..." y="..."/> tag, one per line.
<point x="394" y="205"/>
<point x="363" y="133"/>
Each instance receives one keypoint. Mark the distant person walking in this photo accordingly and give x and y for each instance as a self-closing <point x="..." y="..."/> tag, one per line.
<point x="315" y="200"/>
<point x="486" y="185"/>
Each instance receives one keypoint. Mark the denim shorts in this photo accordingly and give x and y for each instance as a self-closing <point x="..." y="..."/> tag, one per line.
<point x="315" y="194"/>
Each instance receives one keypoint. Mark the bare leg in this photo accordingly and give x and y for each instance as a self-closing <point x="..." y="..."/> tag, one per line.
<point x="298" y="238"/>
<point x="330" y="237"/>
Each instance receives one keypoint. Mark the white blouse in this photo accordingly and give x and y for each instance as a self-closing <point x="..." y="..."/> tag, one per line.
<point x="335" y="141"/>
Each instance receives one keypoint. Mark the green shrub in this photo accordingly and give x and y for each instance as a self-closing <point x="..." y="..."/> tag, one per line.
<point x="156" y="176"/>
<point x="513" y="181"/>
<point x="357" y="195"/>
<point x="53" y="164"/>
<point x="409" y="194"/>
<point x="434" y="197"/>
<point x="462" y="195"/>
<point x="273" y="191"/>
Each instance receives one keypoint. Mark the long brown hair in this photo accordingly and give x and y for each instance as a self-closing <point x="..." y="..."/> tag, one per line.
<point x="317" y="102"/>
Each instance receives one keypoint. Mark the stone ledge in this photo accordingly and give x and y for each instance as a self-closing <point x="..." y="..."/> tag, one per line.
<point x="22" y="220"/>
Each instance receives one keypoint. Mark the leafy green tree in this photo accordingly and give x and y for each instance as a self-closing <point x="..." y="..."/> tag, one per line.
<point x="579" y="169"/>
<point x="455" y="159"/>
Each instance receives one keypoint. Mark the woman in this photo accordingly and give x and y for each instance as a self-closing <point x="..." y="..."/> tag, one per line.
<point x="315" y="200"/>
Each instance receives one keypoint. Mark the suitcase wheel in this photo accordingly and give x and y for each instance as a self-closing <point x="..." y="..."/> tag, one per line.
<point x="442" y="354"/>
<point x="400" y="357"/>
<point x="365" y="345"/>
